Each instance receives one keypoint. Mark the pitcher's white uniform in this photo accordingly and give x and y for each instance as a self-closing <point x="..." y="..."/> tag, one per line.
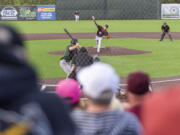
<point x="100" y="34"/>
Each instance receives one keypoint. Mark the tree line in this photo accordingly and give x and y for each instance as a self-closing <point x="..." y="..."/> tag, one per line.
<point x="170" y="1"/>
<point x="27" y="2"/>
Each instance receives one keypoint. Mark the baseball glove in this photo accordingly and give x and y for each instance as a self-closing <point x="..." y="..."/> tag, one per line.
<point x="108" y="36"/>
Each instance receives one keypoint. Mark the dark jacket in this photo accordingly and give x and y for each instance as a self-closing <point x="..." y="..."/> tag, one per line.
<point x="20" y="99"/>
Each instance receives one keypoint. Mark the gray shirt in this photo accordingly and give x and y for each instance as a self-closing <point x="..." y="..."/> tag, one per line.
<point x="106" y="123"/>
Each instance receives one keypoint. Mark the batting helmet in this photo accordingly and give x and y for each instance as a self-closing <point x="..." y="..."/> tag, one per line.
<point x="74" y="41"/>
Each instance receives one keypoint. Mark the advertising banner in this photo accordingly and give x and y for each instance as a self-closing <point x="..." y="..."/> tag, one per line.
<point x="27" y="13"/>
<point x="8" y="13"/>
<point x="170" y="11"/>
<point x="17" y="12"/>
<point x="46" y="12"/>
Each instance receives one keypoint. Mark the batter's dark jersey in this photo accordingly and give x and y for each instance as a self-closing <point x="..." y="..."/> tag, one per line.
<point x="68" y="55"/>
<point x="165" y="28"/>
<point x="82" y="60"/>
<point x="76" y="13"/>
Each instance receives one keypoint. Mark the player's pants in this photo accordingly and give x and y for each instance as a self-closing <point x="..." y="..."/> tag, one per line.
<point x="163" y="35"/>
<point x="66" y="66"/>
<point x="76" y="18"/>
<point x="98" y="42"/>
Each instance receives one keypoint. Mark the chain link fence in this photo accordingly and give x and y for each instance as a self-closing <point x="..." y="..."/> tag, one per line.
<point x="108" y="9"/>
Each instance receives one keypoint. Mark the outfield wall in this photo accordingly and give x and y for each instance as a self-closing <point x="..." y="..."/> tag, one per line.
<point x="108" y="9"/>
<point x="101" y="9"/>
<point x="39" y="12"/>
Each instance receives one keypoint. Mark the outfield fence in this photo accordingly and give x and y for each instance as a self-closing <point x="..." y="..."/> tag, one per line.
<point x="102" y="9"/>
<point x="108" y="9"/>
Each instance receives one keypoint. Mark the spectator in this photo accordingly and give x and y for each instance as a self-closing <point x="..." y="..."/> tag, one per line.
<point x="23" y="108"/>
<point x="137" y="88"/>
<point x="100" y="83"/>
<point x="70" y="91"/>
<point x="79" y="61"/>
<point x="161" y="112"/>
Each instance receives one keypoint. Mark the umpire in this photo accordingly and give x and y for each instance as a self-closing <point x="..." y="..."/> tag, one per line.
<point x="165" y="30"/>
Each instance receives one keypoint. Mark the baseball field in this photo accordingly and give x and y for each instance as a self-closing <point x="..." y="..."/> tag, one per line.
<point x="134" y="45"/>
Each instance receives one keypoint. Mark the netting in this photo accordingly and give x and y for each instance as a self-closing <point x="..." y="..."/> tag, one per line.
<point x="108" y="9"/>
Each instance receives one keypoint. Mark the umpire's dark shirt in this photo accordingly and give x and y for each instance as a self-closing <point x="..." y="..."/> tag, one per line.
<point x="165" y="28"/>
<point x="82" y="60"/>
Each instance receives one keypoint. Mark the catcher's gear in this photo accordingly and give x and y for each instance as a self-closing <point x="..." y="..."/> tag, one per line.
<point x="108" y="36"/>
<point x="72" y="75"/>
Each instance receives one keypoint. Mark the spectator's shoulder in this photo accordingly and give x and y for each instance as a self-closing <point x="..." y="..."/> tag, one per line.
<point x="128" y="123"/>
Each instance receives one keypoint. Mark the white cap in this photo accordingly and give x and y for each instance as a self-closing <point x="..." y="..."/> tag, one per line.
<point x="98" y="78"/>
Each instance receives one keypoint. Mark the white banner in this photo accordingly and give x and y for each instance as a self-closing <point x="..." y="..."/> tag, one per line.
<point x="170" y="11"/>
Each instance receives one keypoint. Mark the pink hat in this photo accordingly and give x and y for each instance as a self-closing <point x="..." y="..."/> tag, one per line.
<point x="69" y="88"/>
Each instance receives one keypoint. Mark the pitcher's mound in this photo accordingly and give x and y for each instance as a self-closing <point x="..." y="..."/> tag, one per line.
<point x="108" y="51"/>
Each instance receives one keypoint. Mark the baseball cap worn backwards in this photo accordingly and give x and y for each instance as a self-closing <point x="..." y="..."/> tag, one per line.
<point x="138" y="83"/>
<point x="69" y="89"/>
<point x="97" y="79"/>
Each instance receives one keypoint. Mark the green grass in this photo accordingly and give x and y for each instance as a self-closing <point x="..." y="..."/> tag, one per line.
<point x="162" y="62"/>
<point x="88" y="26"/>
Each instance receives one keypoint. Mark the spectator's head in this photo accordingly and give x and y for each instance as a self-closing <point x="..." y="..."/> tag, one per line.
<point x="106" y="26"/>
<point x="138" y="83"/>
<point x="99" y="83"/>
<point x="161" y="112"/>
<point x="69" y="90"/>
<point x="10" y="37"/>
<point x="74" y="41"/>
<point x="137" y="86"/>
<point x="83" y="50"/>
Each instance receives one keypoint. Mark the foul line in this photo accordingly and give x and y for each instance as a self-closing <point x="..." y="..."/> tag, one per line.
<point x="165" y="81"/>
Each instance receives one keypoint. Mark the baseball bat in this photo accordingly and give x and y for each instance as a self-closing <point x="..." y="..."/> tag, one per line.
<point x="67" y="32"/>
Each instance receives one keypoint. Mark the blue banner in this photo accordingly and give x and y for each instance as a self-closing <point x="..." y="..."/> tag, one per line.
<point x="46" y="12"/>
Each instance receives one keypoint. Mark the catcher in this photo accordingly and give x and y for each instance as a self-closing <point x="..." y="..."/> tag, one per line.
<point x="102" y="31"/>
<point x="79" y="61"/>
